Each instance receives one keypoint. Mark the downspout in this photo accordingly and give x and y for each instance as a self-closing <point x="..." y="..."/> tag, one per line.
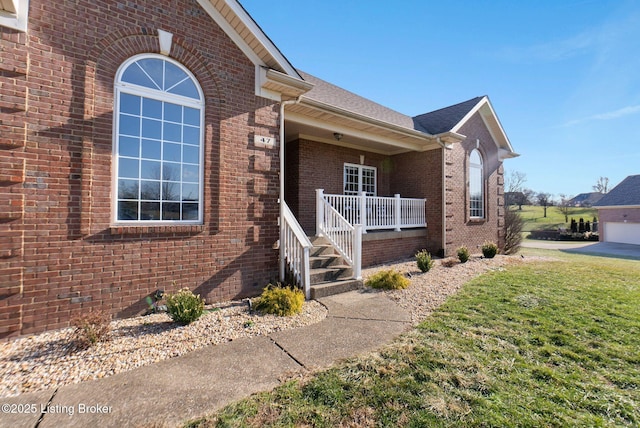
<point x="444" y="197"/>
<point x="281" y="193"/>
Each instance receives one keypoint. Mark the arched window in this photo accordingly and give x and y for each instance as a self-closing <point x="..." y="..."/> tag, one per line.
<point x="476" y="185"/>
<point x="158" y="143"/>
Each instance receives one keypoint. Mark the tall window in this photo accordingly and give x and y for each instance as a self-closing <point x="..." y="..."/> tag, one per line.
<point x="14" y="14"/>
<point x="476" y="185"/>
<point x="158" y="149"/>
<point x="359" y="178"/>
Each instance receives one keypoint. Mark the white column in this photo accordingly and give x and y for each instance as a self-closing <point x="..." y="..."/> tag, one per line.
<point x="397" y="211"/>
<point x="363" y="211"/>
<point x="319" y="211"/>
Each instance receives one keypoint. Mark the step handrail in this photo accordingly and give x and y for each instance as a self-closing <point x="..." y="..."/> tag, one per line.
<point x="294" y="250"/>
<point x="343" y="236"/>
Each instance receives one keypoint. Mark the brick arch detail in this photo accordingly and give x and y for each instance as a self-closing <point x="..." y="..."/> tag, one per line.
<point x="102" y="64"/>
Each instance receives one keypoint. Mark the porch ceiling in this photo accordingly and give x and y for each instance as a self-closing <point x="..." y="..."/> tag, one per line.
<point x="318" y="123"/>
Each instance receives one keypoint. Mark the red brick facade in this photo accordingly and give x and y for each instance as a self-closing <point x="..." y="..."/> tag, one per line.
<point x="616" y="215"/>
<point x="61" y="254"/>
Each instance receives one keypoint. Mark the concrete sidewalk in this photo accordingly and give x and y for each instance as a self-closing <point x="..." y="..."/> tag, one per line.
<point x="201" y="382"/>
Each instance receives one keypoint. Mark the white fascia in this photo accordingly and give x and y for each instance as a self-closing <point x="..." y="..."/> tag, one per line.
<point x="17" y="20"/>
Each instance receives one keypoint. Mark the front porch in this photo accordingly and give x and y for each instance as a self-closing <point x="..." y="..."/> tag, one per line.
<point x="331" y="261"/>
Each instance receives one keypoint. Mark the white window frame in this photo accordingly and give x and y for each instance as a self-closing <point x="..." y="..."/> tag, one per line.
<point x="14" y="14"/>
<point x="476" y="183"/>
<point x="121" y="87"/>
<point x="361" y="169"/>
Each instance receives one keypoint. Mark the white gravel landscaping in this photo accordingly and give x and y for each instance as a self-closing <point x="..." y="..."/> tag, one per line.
<point x="47" y="360"/>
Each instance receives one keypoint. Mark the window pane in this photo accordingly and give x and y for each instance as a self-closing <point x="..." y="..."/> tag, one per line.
<point x="190" y="173"/>
<point x="128" y="168"/>
<point x="150" y="170"/>
<point x="134" y="74"/>
<point x="154" y="68"/>
<point x="190" y="192"/>
<point x="192" y="116"/>
<point x="129" y="146"/>
<point x="173" y="75"/>
<point x="172" y="132"/>
<point x="170" y="191"/>
<point x="150" y="190"/>
<point x="127" y="210"/>
<point x="190" y="154"/>
<point x="187" y="89"/>
<point x="191" y="135"/>
<point x="151" y="150"/>
<point x="170" y="171"/>
<point x="128" y="189"/>
<point x="190" y="211"/>
<point x="152" y="108"/>
<point x="170" y="211"/>
<point x="172" y="112"/>
<point x="130" y="104"/>
<point x="151" y="128"/>
<point x="149" y="210"/>
<point x="129" y="125"/>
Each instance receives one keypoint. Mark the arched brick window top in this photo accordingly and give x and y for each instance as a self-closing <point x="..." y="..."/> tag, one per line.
<point x="158" y="142"/>
<point x="476" y="185"/>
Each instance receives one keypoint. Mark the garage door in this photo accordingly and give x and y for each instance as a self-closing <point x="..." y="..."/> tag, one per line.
<point x="625" y="233"/>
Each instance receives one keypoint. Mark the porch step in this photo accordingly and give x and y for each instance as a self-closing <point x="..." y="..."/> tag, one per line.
<point x="334" y="287"/>
<point x="329" y="273"/>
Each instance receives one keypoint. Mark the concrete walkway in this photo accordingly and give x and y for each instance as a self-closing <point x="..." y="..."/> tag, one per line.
<point x="201" y="382"/>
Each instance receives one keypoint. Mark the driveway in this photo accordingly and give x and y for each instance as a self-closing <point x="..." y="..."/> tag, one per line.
<point x="610" y="249"/>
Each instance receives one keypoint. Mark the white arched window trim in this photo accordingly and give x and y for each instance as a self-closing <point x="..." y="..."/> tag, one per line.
<point x="168" y="152"/>
<point x="476" y="185"/>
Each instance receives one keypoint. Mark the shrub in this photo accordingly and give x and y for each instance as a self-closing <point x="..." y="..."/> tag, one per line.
<point x="463" y="254"/>
<point x="388" y="280"/>
<point x="513" y="225"/>
<point x="184" y="307"/>
<point x="90" y="328"/>
<point x="424" y="260"/>
<point x="489" y="250"/>
<point x="280" y="300"/>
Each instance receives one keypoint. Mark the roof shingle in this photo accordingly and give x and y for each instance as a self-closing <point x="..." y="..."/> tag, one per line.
<point x="625" y="193"/>
<point x="444" y="119"/>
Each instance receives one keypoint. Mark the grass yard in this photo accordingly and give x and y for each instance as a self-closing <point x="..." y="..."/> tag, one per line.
<point x="534" y="217"/>
<point x="539" y="344"/>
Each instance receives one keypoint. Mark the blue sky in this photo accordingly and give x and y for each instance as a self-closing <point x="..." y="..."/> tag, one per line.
<point x="563" y="75"/>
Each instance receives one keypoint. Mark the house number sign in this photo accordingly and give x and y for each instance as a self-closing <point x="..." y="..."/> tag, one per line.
<point x="262" y="141"/>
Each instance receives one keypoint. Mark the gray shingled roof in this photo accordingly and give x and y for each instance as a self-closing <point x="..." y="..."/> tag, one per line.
<point x="333" y="95"/>
<point x="443" y="120"/>
<point x="625" y="193"/>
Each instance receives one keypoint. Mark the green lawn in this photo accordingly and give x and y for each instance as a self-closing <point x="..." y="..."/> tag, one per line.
<point x="534" y="217"/>
<point x="538" y="344"/>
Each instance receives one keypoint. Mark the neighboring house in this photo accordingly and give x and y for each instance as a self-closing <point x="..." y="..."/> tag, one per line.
<point x="140" y="150"/>
<point x="619" y="212"/>
<point x="585" y="199"/>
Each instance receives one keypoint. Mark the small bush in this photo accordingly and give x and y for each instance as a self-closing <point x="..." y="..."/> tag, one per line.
<point x="280" y="300"/>
<point x="388" y="280"/>
<point x="463" y="254"/>
<point x="513" y="225"/>
<point x="90" y="328"/>
<point x="489" y="250"/>
<point x="184" y="307"/>
<point x="424" y="260"/>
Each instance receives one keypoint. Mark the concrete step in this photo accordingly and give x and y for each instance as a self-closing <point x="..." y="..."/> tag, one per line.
<point x="335" y="287"/>
<point x="328" y="274"/>
<point x="325" y="260"/>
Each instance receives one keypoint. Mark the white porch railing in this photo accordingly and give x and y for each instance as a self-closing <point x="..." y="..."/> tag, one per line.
<point x="375" y="212"/>
<point x="294" y="250"/>
<point x="345" y="237"/>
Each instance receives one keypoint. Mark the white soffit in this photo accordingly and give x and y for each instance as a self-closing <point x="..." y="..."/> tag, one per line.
<point x="247" y="35"/>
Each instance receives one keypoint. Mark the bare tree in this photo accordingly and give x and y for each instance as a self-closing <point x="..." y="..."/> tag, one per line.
<point x="544" y="199"/>
<point x="515" y="192"/>
<point x="513" y="225"/>
<point x="565" y="207"/>
<point x="602" y="185"/>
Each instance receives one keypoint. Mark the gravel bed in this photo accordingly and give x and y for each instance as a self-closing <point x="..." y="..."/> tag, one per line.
<point x="48" y="360"/>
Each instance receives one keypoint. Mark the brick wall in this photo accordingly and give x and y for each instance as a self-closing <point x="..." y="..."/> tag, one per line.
<point x="460" y="228"/>
<point x="61" y="254"/>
